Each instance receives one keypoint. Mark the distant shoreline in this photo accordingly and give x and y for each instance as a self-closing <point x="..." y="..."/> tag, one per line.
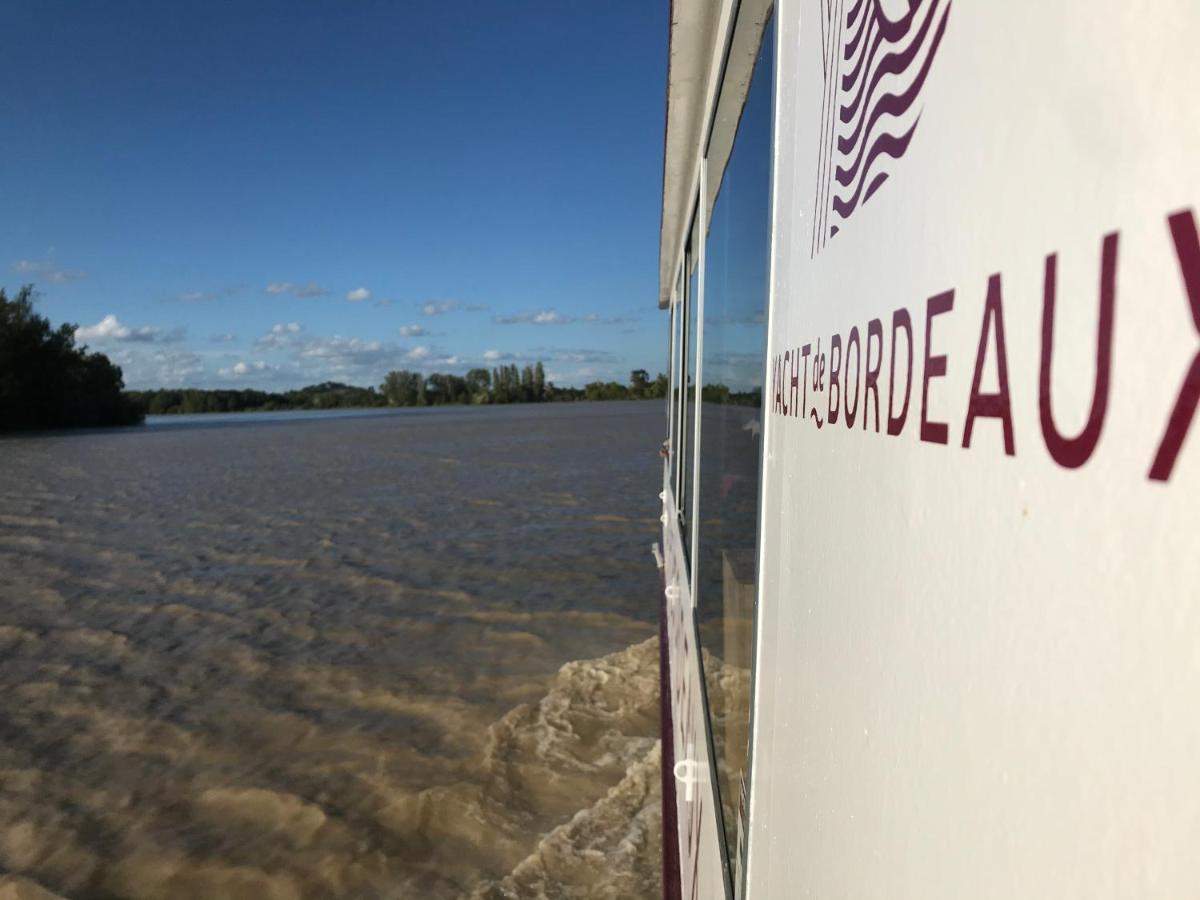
<point x="373" y="410"/>
<point x="479" y="387"/>
<point x="381" y="407"/>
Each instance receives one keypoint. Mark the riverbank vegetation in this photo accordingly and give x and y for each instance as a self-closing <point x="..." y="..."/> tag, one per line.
<point x="48" y="382"/>
<point x="505" y="384"/>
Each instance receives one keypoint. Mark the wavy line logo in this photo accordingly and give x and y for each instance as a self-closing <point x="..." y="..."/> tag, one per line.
<point x="876" y="56"/>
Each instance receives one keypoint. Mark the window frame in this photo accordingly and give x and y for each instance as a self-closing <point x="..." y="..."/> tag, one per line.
<point x="735" y="869"/>
<point x="674" y="408"/>
<point x="697" y="239"/>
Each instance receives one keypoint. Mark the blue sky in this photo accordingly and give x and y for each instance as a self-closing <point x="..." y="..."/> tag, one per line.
<point x="271" y="194"/>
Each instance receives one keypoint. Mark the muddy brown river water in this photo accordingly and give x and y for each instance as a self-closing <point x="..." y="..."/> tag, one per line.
<point x="400" y="654"/>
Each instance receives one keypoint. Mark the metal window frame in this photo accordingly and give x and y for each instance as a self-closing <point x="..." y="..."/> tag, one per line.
<point x="705" y="200"/>
<point x="700" y="231"/>
<point x="721" y="90"/>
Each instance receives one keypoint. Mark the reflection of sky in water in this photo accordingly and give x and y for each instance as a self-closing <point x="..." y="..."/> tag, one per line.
<point x="275" y="659"/>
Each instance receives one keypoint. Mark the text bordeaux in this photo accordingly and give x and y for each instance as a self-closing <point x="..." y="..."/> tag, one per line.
<point x="848" y="372"/>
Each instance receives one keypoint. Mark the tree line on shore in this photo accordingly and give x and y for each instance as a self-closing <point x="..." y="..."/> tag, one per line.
<point x="505" y="384"/>
<point x="46" y="381"/>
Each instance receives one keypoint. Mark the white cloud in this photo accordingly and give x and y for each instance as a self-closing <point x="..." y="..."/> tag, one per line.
<point x="243" y="368"/>
<point x="757" y="318"/>
<point x="358" y="294"/>
<point x="541" y="317"/>
<point x="413" y="331"/>
<point x="176" y="366"/>
<point x="309" y="358"/>
<point x="737" y="370"/>
<point x="226" y="338"/>
<point x="577" y="356"/>
<point x="200" y="296"/>
<point x="157" y="368"/>
<point x="584" y="356"/>
<point x="45" y="270"/>
<point x="554" y="317"/>
<point x="110" y="329"/>
<point x="310" y="289"/>
<point x="597" y="319"/>
<point x="342" y="354"/>
<point x="342" y="358"/>
<point x="441" y="307"/>
<point x="280" y="335"/>
<point x="506" y="356"/>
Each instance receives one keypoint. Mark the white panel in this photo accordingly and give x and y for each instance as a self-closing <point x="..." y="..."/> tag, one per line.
<point x="700" y="856"/>
<point x="979" y="673"/>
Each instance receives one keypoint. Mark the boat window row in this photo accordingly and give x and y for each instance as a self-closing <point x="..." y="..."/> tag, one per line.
<point x="718" y="336"/>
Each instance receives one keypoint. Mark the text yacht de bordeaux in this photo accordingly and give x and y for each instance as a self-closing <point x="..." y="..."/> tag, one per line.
<point x="791" y="377"/>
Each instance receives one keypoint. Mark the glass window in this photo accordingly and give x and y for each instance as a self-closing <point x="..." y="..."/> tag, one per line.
<point x="670" y="365"/>
<point x="736" y="276"/>
<point x="689" y="398"/>
<point x="673" y="398"/>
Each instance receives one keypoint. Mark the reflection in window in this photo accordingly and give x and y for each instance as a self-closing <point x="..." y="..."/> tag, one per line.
<point x="689" y="398"/>
<point x="673" y="399"/>
<point x="736" y="275"/>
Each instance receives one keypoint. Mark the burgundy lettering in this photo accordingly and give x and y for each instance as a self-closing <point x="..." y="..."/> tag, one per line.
<point x="1187" y="251"/>
<point x="786" y="367"/>
<point x="775" y="363"/>
<point x="935" y="367"/>
<point x="871" y="387"/>
<point x="1071" y="453"/>
<point x="795" y="383"/>
<point x="852" y="341"/>
<point x="804" y="351"/>
<point x="835" y="390"/>
<point x="998" y="405"/>
<point x="818" y="382"/>
<point x="900" y="319"/>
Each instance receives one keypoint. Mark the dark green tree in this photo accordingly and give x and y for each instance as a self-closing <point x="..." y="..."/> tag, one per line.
<point x="527" y="385"/>
<point x="48" y="382"/>
<point x="539" y="382"/>
<point x="605" y="390"/>
<point x="639" y="383"/>
<point x="400" y="388"/>
<point x="479" y="385"/>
